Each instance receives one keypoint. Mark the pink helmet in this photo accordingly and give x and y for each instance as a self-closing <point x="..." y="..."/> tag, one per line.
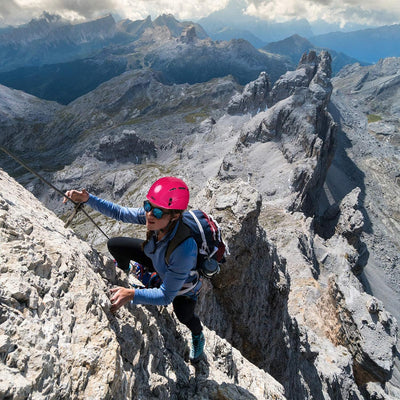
<point x="170" y="193"/>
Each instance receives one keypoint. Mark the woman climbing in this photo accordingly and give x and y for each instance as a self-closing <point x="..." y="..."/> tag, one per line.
<point x="162" y="213"/>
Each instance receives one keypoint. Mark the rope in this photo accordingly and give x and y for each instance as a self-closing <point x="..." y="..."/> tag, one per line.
<point x="78" y="206"/>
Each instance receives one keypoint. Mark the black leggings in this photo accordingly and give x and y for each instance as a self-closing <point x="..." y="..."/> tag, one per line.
<point x="125" y="249"/>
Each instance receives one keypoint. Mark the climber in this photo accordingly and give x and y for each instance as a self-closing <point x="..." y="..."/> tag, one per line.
<point x="162" y="212"/>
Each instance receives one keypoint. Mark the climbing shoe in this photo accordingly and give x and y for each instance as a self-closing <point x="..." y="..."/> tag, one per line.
<point x="196" y="351"/>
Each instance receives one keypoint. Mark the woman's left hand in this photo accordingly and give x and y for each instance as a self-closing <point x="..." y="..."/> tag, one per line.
<point x="121" y="297"/>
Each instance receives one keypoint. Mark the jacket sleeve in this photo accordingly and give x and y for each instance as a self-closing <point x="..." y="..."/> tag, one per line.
<point x="115" y="211"/>
<point x="182" y="261"/>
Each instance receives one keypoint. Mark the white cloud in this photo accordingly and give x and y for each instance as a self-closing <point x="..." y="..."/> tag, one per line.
<point x="79" y="9"/>
<point x="181" y="9"/>
<point x="369" y="12"/>
<point x="20" y="11"/>
<point x="374" y="12"/>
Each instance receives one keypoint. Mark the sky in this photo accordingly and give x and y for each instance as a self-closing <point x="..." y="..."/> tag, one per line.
<point x="365" y="12"/>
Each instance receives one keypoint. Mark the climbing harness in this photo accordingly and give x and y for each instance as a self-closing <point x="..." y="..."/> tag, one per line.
<point x="78" y="206"/>
<point x="187" y="287"/>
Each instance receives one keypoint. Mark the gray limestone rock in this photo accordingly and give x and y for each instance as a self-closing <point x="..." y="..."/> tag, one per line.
<point x="300" y="126"/>
<point x="287" y="298"/>
<point x="126" y="146"/>
<point x="351" y="219"/>
<point x="253" y="99"/>
<point x="58" y="338"/>
<point x="311" y="67"/>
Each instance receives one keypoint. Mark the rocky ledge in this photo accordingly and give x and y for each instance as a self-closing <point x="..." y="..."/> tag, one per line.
<point x="58" y="339"/>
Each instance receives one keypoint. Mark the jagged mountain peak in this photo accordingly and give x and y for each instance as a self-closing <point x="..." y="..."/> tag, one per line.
<point x="49" y="18"/>
<point x="165" y="19"/>
<point x="38" y="28"/>
<point x="292" y="42"/>
<point x="42" y="42"/>
<point x="47" y="24"/>
<point x="177" y="27"/>
<point x="135" y="28"/>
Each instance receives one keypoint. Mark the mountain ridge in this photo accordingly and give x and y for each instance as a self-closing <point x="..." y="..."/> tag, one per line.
<point x="178" y="53"/>
<point x="308" y="321"/>
<point x="54" y="40"/>
<point x="295" y="46"/>
<point x="368" y="45"/>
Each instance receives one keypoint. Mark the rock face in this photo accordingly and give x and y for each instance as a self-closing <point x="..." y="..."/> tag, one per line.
<point x="250" y="318"/>
<point x="365" y="102"/>
<point x="58" y="338"/>
<point x="123" y="147"/>
<point x="253" y="97"/>
<point x="292" y="297"/>
<point x="298" y="122"/>
<point x="292" y="303"/>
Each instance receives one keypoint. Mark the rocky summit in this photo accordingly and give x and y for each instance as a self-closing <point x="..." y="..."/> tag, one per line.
<point x="298" y="311"/>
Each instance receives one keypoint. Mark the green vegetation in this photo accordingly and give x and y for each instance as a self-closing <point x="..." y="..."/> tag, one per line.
<point x="374" y="118"/>
<point x="194" y="117"/>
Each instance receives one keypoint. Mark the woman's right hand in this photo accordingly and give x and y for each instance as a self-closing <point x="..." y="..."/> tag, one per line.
<point x="79" y="196"/>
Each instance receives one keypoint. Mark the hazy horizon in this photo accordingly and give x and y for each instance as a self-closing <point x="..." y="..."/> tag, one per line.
<point x="336" y="12"/>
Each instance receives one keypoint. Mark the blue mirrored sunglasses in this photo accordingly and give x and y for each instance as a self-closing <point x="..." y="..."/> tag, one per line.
<point x="157" y="212"/>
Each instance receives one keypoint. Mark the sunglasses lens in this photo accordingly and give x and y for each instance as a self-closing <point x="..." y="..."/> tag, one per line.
<point x="157" y="212"/>
<point x="147" y="206"/>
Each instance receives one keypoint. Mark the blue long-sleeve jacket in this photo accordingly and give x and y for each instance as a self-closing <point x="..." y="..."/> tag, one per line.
<point x="181" y="262"/>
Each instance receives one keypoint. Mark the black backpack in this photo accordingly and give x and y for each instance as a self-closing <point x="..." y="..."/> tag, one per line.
<point x="207" y="234"/>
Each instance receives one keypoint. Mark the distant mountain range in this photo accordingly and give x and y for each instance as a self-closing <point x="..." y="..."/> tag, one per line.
<point x="50" y="39"/>
<point x="295" y="46"/>
<point x="356" y="41"/>
<point x="368" y="45"/>
<point x="54" y="59"/>
<point x="180" y="51"/>
<point x="231" y="23"/>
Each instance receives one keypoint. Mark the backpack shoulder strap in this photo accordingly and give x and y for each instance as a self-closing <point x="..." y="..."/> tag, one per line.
<point x="182" y="233"/>
<point x="204" y="246"/>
